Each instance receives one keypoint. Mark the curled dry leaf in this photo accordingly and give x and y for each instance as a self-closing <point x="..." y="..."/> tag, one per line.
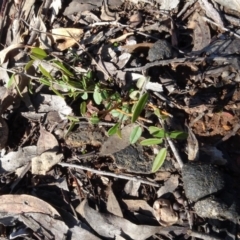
<point x="201" y="32"/>
<point x="14" y="160"/>
<point x="135" y="19"/>
<point x="5" y="51"/>
<point x="164" y="212"/>
<point x="106" y="14"/>
<point x="65" y="38"/>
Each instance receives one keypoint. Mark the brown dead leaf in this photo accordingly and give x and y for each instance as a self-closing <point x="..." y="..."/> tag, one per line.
<point x="15" y="204"/>
<point x="201" y="32"/>
<point x="136" y="47"/>
<point x="65" y="38"/>
<point x="131" y="188"/>
<point x="114" y="143"/>
<point x="169" y="186"/>
<point x="139" y="206"/>
<point x="14" y="160"/>
<point x="113" y="205"/>
<point x="106" y="14"/>
<point x="121" y="38"/>
<point x="43" y="163"/>
<point x="164" y="212"/>
<point x="109" y="226"/>
<point x="46" y="142"/>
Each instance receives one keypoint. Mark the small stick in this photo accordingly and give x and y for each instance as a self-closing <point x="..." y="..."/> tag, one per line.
<point x="175" y="60"/>
<point x="200" y="235"/>
<point x="121" y="176"/>
<point x="221" y="27"/>
<point x="172" y="146"/>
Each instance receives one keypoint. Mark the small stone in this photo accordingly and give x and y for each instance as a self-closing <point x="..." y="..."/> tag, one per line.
<point x="160" y="50"/>
<point x="216" y="208"/>
<point x="201" y="180"/>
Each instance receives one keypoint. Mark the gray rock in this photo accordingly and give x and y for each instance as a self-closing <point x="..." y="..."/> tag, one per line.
<point x="216" y="208"/>
<point x="201" y="180"/>
<point x="160" y="50"/>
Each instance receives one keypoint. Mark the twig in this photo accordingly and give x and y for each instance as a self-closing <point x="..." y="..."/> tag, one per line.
<point x="172" y="146"/>
<point x="201" y="235"/>
<point x="221" y="27"/>
<point x="175" y="60"/>
<point x="121" y="176"/>
<point x="232" y="133"/>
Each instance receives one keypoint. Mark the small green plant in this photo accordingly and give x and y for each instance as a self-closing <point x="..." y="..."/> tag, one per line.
<point x="159" y="135"/>
<point x="68" y="82"/>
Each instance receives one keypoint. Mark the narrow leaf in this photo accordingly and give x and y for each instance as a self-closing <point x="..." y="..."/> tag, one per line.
<point x="135" y="134"/>
<point x="63" y="68"/>
<point x="159" y="160"/>
<point x="157" y="132"/>
<point x="28" y="65"/>
<point x="97" y="95"/>
<point x="178" y="135"/>
<point x="83" y="108"/>
<point x="94" y="120"/>
<point x="151" y="141"/>
<point x="139" y="107"/>
<point x="11" y="80"/>
<point x="38" y="53"/>
<point x="45" y="72"/>
<point x="113" y="129"/>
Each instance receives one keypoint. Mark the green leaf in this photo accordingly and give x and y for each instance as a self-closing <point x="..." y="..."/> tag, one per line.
<point x="113" y="129"/>
<point x="151" y="141"/>
<point x="94" y="120"/>
<point x="57" y="92"/>
<point x="97" y="95"/>
<point x="135" y="134"/>
<point x="89" y="74"/>
<point x="157" y="132"/>
<point x="84" y="96"/>
<point x="11" y="80"/>
<point x="73" y="119"/>
<point x="83" y="108"/>
<point x="29" y="64"/>
<point x="45" y="81"/>
<point x="134" y="95"/>
<point x="115" y="113"/>
<point x="70" y="128"/>
<point x="157" y="112"/>
<point x="45" y="72"/>
<point x="159" y="160"/>
<point x="139" y="107"/>
<point x="38" y="53"/>
<point x="63" y="68"/>
<point x="178" y="135"/>
<point x="140" y="82"/>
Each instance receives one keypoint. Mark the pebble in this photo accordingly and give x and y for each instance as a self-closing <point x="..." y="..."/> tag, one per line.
<point x="160" y="50"/>
<point x="201" y="180"/>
